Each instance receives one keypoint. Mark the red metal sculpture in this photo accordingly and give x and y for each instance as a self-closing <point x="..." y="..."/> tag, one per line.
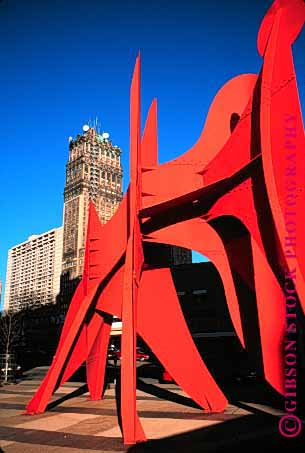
<point x="226" y="198"/>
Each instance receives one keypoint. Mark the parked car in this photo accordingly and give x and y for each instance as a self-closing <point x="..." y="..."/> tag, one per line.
<point x="140" y="355"/>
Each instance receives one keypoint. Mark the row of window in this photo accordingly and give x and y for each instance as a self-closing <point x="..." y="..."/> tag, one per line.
<point x="97" y="149"/>
<point x="35" y="251"/>
<point x="194" y="291"/>
<point x="34" y="243"/>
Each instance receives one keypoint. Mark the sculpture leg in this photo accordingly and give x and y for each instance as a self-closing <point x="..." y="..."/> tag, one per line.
<point x="96" y="360"/>
<point x="41" y="398"/>
<point x="162" y="325"/>
<point x="131" y="426"/>
<point x="271" y="317"/>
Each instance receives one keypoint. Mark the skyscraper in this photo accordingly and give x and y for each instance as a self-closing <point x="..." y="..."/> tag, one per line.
<point x="93" y="172"/>
<point x="33" y="271"/>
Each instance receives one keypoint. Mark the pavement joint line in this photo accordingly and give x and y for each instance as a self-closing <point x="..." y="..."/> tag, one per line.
<point x="171" y="429"/>
<point x="266" y="409"/>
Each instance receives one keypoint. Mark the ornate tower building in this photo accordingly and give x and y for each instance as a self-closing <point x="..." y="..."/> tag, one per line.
<point x="93" y="172"/>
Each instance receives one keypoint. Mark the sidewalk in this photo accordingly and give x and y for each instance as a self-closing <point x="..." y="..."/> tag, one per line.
<point x="80" y="425"/>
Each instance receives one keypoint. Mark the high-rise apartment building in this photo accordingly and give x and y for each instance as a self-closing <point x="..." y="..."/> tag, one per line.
<point x="93" y="172"/>
<point x="33" y="271"/>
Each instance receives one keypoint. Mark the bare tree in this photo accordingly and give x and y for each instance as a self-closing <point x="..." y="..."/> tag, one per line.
<point x="10" y="331"/>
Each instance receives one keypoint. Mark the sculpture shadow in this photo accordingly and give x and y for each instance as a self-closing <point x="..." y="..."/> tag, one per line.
<point x="165" y="394"/>
<point x="258" y="430"/>
<point x="78" y="392"/>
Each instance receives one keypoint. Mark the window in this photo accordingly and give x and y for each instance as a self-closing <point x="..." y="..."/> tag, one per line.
<point x="199" y="291"/>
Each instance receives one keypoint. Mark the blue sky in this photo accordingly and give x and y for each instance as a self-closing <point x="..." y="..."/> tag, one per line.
<point x="64" y="62"/>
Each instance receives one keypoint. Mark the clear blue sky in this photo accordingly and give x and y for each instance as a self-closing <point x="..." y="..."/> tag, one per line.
<point x="63" y="62"/>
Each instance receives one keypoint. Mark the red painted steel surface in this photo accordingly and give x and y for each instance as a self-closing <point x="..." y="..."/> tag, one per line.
<point x="226" y="198"/>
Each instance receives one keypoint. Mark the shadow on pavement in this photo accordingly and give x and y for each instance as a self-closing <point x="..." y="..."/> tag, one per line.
<point x="80" y="391"/>
<point x="259" y="432"/>
<point x="165" y="394"/>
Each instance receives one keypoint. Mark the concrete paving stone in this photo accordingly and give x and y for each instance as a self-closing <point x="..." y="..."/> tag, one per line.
<point x="5" y="443"/>
<point x="4" y="394"/>
<point x="15" y="390"/>
<point x="148" y="398"/>
<point x="18" y="447"/>
<point x="172" y="408"/>
<point x="139" y="398"/>
<point x="12" y="391"/>
<point x="162" y="405"/>
<point x="240" y="411"/>
<point x="4" y="398"/>
<point x="151" y="411"/>
<point x="28" y="382"/>
<point x="55" y="422"/>
<point x="6" y="406"/>
<point x="32" y="382"/>
<point x="92" y="426"/>
<point x="15" y="420"/>
<point x="101" y="412"/>
<point x="177" y="415"/>
<point x="29" y="393"/>
<point x="64" y="390"/>
<point x="47" y="439"/>
<point x="12" y="412"/>
<point x="76" y="400"/>
<point x="10" y="421"/>
<point x="107" y="397"/>
<point x="158" y="428"/>
<point x="264" y="408"/>
<point x="230" y="409"/>
<point x="17" y="398"/>
<point x="79" y="399"/>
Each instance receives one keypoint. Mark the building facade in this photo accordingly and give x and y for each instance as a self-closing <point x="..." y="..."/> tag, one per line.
<point x="203" y="302"/>
<point x="179" y="255"/>
<point x="166" y="255"/>
<point x="33" y="271"/>
<point x="93" y="172"/>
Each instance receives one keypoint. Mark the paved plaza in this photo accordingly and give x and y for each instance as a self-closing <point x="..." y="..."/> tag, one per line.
<point x="79" y="425"/>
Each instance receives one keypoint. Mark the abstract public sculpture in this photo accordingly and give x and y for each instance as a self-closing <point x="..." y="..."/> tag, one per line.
<point x="235" y="197"/>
